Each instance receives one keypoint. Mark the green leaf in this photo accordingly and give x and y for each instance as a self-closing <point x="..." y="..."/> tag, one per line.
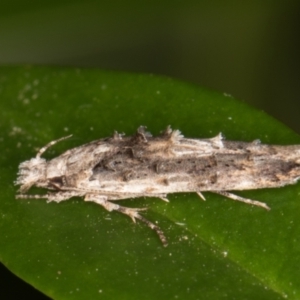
<point x="218" y="249"/>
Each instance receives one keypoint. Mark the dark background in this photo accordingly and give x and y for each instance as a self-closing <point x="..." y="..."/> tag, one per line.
<point x="249" y="49"/>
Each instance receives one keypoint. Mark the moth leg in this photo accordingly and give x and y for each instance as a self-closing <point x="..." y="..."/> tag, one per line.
<point x="23" y="196"/>
<point x="201" y="196"/>
<point x="163" y="198"/>
<point x="133" y="213"/>
<point x="51" y="197"/>
<point x="55" y="197"/>
<point x="239" y="198"/>
<point x="61" y="196"/>
<point x="160" y="196"/>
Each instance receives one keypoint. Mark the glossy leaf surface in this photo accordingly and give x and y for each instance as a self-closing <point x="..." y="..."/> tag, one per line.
<point x="218" y="249"/>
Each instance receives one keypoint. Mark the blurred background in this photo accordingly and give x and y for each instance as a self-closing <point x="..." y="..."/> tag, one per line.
<point x="249" y="49"/>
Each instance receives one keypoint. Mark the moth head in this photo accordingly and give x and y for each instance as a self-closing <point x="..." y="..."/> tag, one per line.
<point x="31" y="172"/>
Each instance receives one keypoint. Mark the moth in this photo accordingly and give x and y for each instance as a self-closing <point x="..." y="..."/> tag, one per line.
<point x="142" y="165"/>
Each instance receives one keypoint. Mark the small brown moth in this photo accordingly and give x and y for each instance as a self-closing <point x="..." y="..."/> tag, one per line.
<point x="122" y="167"/>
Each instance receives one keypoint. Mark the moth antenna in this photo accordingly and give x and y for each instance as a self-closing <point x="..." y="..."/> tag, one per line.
<point x="21" y="196"/>
<point x="42" y="150"/>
